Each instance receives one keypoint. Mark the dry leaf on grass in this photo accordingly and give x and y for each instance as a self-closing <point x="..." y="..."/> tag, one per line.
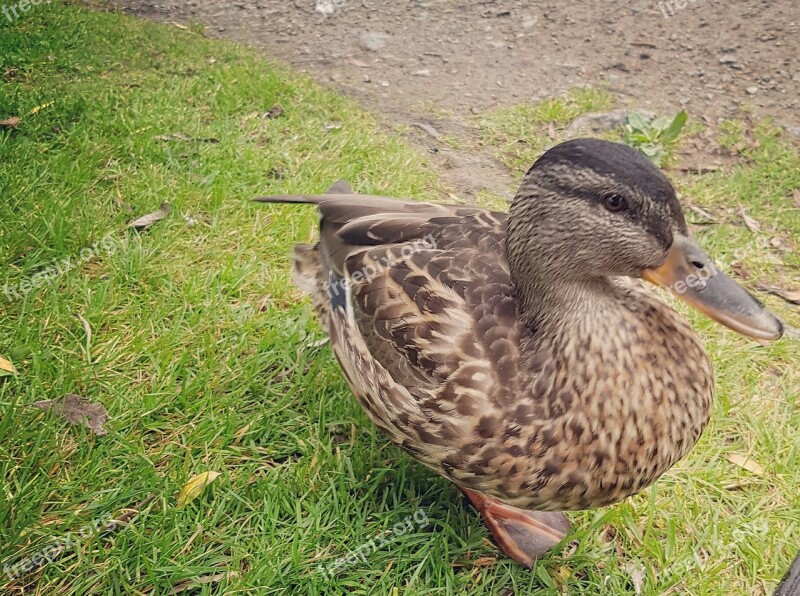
<point x="636" y="572"/>
<point x="485" y="562"/>
<point x="708" y="218"/>
<point x="191" y="584"/>
<point x="6" y="368"/>
<point x="745" y="463"/>
<point x="791" y="296"/>
<point x="145" y="221"/>
<point x="192" y="489"/>
<point x="179" y="136"/>
<point x="274" y="112"/>
<point x="77" y="409"/>
<point x="10" y="122"/>
<point x="14" y="121"/>
<point x="796" y="198"/>
<point x="741" y="270"/>
<point x="242" y="432"/>
<point x="751" y="223"/>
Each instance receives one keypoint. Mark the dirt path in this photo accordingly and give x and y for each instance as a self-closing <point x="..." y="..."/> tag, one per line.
<point x="436" y="64"/>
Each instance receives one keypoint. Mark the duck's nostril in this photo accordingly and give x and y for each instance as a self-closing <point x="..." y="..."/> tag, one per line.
<point x="698" y="264"/>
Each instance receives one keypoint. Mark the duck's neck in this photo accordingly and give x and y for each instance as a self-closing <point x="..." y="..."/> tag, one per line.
<point x="550" y="267"/>
<point x="550" y="289"/>
<point x="562" y="305"/>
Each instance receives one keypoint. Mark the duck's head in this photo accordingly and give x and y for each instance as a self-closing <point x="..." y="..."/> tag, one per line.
<point x="591" y="209"/>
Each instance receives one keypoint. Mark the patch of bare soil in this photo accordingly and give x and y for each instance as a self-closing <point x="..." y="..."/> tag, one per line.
<point x="435" y="64"/>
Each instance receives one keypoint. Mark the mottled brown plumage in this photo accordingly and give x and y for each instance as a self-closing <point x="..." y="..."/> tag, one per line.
<point x="513" y="353"/>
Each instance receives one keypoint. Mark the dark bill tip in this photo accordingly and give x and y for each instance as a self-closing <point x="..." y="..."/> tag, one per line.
<point x="691" y="275"/>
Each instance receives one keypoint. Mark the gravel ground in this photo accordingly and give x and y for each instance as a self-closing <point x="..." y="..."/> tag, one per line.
<point x="435" y="65"/>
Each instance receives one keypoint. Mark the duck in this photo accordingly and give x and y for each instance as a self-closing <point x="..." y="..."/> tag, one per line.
<point x="519" y="354"/>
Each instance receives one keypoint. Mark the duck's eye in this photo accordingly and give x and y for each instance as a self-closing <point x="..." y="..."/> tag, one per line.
<point x="614" y="202"/>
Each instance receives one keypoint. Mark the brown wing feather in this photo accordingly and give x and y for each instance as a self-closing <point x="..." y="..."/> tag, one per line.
<point x="426" y="332"/>
<point x="440" y="320"/>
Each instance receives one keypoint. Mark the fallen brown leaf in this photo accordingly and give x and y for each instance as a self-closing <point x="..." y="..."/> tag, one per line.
<point x="77" y="409"/>
<point x="708" y="217"/>
<point x="11" y="122"/>
<point x="6" y="368"/>
<point x="745" y="463"/>
<point x="791" y="296"/>
<point x="796" y="198"/>
<point x="749" y="221"/>
<point x="485" y="561"/>
<point x="145" y="221"/>
<point x="607" y="534"/>
<point x="741" y="270"/>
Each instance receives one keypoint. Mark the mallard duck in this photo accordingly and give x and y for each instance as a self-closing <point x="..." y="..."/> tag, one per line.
<point x="517" y="354"/>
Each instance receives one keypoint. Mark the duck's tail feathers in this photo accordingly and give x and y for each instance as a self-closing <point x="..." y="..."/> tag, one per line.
<point x="340" y="187"/>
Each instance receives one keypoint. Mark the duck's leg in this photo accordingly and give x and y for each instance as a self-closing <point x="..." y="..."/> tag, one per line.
<point x="522" y="535"/>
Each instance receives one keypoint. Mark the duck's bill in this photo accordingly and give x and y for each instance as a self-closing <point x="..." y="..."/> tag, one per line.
<point x="690" y="274"/>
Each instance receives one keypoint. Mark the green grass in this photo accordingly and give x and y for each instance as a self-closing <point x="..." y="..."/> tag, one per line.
<point x="207" y="358"/>
<point x="519" y="134"/>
